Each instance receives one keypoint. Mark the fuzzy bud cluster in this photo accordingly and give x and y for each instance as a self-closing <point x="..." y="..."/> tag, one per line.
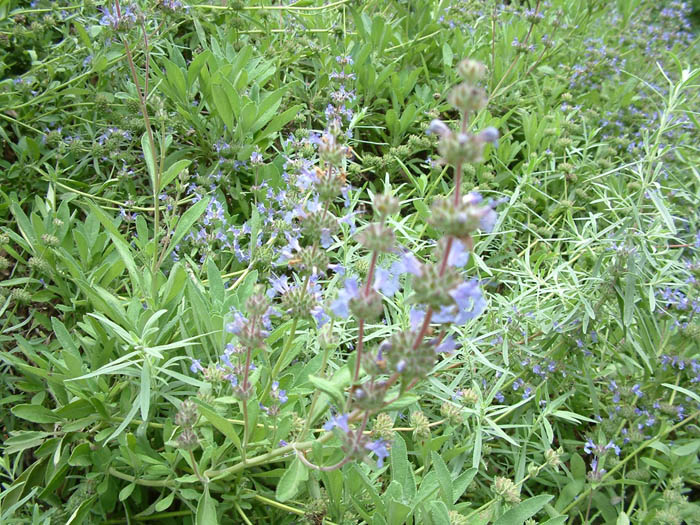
<point x="377" y="237"/>
<point x="318" y="226"/>
<point x="329" y="184"/>
<point x="452" y="413"/>
<point x="186" y="418"/>
<point x="506" y="490"/>
<point x="463" y="219"/>
<point x="407" y="358"/>
<point x="330" y="150"/>
<point x="421" y="426"/>
<point x="458" y="148"/>
<point x="553" y="457"/>
<point x="384" y="205"/>
<point x="383" y="427"/>
<point x="434" y="286"/>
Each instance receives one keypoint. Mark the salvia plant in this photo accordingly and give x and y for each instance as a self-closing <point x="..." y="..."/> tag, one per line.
<point x="349" y="262"/>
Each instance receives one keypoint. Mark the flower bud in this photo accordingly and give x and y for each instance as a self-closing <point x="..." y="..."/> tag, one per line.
<point x="553" y="457"/>
<point x="467" y="98"/>
<point x="460" y="148"/>
<point x="471" y="71"/>
<point x="403" y="358"/>
<point x="452" y="413"/>
<point x="506" y="490"/>
<point x="313" y="260"/>
<point x="532" y="470"/>
<point x="257" y="304"/>
<point x="421" y="426"/>
<point x="385" y="205"/>
<point x="50" y="240"/>
<point x="187" y="415"/>
<point x="329" y="184"/>
<point x="433" y="287"/>
<point x="21" y="296"/>
<point x="187" y="440"/>
<point x="383" y="427"/>
<point x="298" y="303"/>
<point x="368" y="306"/>
<point x="377" y="238"/>
<point x="330" y="151"/>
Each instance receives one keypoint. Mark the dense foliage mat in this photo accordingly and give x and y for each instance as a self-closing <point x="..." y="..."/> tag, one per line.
<point x="425" y="261"/>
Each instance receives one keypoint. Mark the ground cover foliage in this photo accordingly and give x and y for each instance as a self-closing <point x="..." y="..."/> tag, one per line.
<point x="302" y="263"/>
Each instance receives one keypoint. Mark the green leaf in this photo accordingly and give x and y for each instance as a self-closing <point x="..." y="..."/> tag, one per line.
<point x="559" y="520"/>
<point x="119" y="243"/>
<point x="630" y="288"/>
<point x="35" y="413"/>
<point x="80" y="456"/>
<point x="447" y="55"/>
<point x="206" y="509"/>
<point x="175" y="285"/>
<point x="401" y="470"/>
<point x="81" y="512"/>
<point x="176" y="78"/>
<point x="222" y="105"/>
<point x="126" y="491"/>
<point x="406" y="400"/>
<point x="444" y="478"/>
<point x="665" y="215"/>
<point x="278" y="122"/>
<point x="220" y="423"/>
<point x="165" y="502"/>
<point x="682" y="390"/>
<point x="172" y="172"/>
<point x="216" y="284"/>
<point x="145" y="391"/>
<point x="525" y="510"/>
<point x="578" y="468"/>
<point x="687" y="449"/>
<point x="288" y="486"/>
<point x="439" y="512"/>
<point x="70" y="353"/>
<point x="186" y="222"/>
<point x="324" y="385"/>
<point x="148" y="157"/>
<point x="460" y="485"/>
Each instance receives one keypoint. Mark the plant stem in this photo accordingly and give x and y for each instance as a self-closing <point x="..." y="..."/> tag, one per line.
<point x="314" y="400"/>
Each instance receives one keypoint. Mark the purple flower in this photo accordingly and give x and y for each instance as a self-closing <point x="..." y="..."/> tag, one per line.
<point x="437" y="127"/>
<point x="196" y="366"/>
<point x="490" y="135"/>
<point x="385" y="282"/>
<point x="340" y="421"/>
<point x="237" y="324"/>
<point x="408" y="263"/>
<point x="280" y="395"/>
<point x="459" y="255"/>
<point x="379" y="448"/>
<point x="470" y="303"/>
<point x="447" y="345"/>
<point x="340" y="306"/>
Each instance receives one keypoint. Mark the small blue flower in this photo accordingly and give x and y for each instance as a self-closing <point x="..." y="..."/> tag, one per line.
<point x="196" y="366"/>
<point x="379" y="448"/>
<point x="340" y="306"/>
<point x="340" y="421"/>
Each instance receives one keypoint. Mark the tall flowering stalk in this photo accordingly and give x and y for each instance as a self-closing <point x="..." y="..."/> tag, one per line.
<point x="442" y="296"/>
